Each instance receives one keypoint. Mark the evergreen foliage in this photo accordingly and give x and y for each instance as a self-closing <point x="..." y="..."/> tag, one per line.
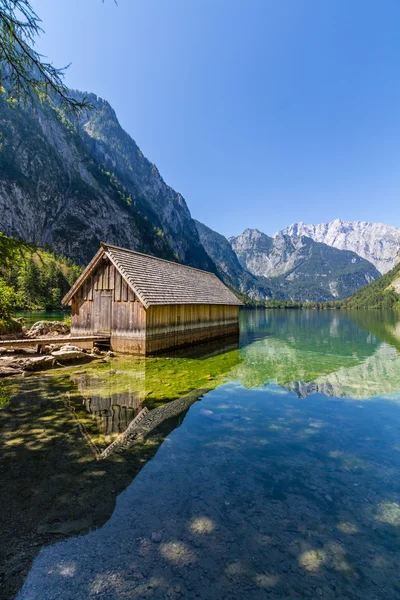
<point x="12" y="249"/>
<point x="35" y="280"/>
<point x="8" y="299"/>
<point x="8" y="303"/>
<point x="24" y="75"/>
<point x="377" y="294"/>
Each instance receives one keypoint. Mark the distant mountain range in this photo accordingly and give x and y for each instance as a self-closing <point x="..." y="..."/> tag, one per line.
<point x="375" y="242"/>
<point x="286" y="267"/>
<point x="69" y="185"/>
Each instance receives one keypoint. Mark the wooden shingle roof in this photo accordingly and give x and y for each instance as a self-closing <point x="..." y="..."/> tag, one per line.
<point x="159" y="281"/>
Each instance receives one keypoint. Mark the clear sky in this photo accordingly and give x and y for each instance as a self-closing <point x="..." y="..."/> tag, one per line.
<point x="260" y="112"/>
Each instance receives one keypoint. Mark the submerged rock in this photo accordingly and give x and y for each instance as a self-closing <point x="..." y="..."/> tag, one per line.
<point x="156" y="537"/>
<point x="70" y="348"/>
<point x="49" y="348"/>
<point x="65" y="528"/>
<point x="54" y="356"/>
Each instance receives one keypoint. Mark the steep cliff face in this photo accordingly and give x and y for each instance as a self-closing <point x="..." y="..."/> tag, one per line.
<point x="310" y="270"/>
<point x="376" y="242"/>
<point x="221" y="252"/>
<point x="267" y="256"/>
<point x="58" y="187"/>
<point x="113" y="147"/>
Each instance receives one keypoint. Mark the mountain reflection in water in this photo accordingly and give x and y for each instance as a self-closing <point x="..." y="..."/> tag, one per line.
<point x="258" y="484"/>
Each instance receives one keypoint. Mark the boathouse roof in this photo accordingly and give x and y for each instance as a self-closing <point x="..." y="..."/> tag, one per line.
<point x="158" y="281"/>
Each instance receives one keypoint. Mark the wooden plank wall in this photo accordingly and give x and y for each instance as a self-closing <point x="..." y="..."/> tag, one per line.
<point x="172" y="317"/>
<point x="81" y="316"/>
<point x="137" y="331"/>
<point x="128" y="316"/>
<point x="183" y="324"/>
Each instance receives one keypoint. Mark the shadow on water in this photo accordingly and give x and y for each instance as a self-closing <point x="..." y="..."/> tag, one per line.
<point x="282" y="482"/>
<point x="53" y="429"/>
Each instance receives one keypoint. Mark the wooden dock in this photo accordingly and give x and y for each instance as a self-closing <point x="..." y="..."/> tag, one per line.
<point x="79" y="340"/>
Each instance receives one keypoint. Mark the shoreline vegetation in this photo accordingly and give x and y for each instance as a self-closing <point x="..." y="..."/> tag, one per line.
<point x="379" y="294"/>
<point x="36" y="279"/>
<point x="31" y="279"/>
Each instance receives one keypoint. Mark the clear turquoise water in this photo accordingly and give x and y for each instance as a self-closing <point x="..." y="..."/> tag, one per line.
<point x="276" y="474"/>
<point x="32" y="317"/>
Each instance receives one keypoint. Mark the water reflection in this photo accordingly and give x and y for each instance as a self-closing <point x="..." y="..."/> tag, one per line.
<point x="111" y="411"/>
<point x="377" y="375"/>
<point x="115" y="393"/>
<point x="250" y="491"/>
<point x="354" y="355"/>
<point x="305" y="352"/>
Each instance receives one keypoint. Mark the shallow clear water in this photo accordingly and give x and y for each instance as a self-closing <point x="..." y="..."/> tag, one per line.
<point x="265" y="471"/>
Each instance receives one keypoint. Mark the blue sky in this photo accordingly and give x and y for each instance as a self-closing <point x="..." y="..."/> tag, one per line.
<point x="259" y="112"/>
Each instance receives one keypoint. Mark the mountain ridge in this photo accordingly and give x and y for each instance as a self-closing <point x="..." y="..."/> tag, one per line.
<point x="58" y="188"/>
<point x="70" y="184"/>
<point x="288" y="268"/>
<point x="301" y="258"/>
<point x="376" y="242"/>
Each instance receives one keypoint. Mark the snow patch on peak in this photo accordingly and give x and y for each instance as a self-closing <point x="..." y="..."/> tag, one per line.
<point x="376" y="242"/>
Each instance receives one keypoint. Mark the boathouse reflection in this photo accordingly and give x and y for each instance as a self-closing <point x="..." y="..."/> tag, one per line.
<point x="109" y="403"/>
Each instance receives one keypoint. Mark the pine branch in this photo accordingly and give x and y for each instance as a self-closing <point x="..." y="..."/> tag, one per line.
<point x="24" y="75"/>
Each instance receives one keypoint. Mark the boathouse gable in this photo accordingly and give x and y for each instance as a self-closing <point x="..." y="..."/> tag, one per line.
<point x="146" y="304"/>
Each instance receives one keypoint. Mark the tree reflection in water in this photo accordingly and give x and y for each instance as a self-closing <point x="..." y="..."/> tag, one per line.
<point x="282" y="480"/>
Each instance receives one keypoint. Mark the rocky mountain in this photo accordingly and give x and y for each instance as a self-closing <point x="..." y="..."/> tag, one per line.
<point x="376" y="242"/>
<point x="302" y="268"/>
<point x="113" y="147"/>
<point x="71" y="185"/>
<point x="267" y="256"/>
<point x="219" y="248"/>
<point x="285" y="267"/>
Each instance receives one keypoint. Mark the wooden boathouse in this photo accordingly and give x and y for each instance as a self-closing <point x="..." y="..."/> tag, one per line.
<point x="146" y="304"/>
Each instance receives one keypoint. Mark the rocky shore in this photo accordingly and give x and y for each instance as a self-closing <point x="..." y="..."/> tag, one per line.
<point x="25" y="360"/>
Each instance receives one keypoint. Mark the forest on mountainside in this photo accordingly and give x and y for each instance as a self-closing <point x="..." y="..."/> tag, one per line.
<point x="382" y="293"/>
<point x="33" y="279"/>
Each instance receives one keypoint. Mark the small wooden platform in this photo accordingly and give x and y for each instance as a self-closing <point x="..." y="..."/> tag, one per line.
<point x="43" y="341"/>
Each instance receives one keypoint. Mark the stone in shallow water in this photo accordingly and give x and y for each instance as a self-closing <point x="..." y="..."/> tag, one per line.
<point x="70" y="353"/>
<point x="156" y="537"/>
<point x="66" y="527"/>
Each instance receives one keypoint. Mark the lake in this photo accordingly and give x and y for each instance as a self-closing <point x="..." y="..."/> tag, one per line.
<point x="31" y="317"/>
<point x="268" y="469"/>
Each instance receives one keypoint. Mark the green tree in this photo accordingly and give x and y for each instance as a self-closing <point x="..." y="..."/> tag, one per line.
<point x="11" y="250"/>
<point x="24" y="75"/>
<point x="8" y="300"/>
<point x="55" y="297"/>
<point x="29" y="280"/>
